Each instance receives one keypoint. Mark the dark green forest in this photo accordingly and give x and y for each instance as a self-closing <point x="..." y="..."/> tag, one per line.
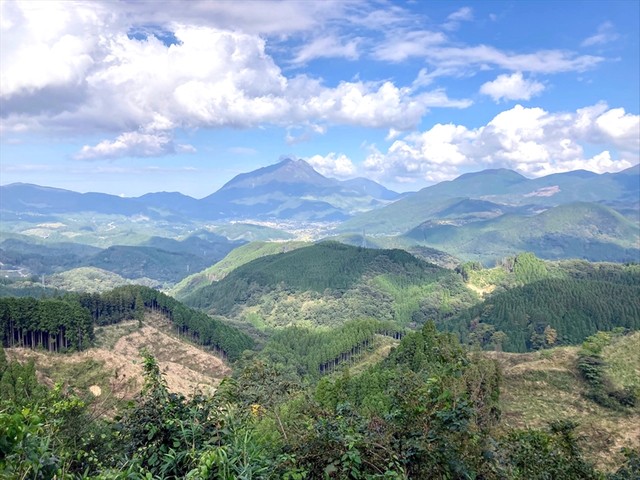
<point x="551" y="312"/>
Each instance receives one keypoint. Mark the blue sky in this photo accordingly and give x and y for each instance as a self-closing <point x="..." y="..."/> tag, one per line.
<point x="135" y="97"/>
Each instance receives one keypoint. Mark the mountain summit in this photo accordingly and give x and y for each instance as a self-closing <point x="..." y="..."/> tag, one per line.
<point x="287" y="171"/>
<point x="288" y="190"/>
<point x="292" y="189"/>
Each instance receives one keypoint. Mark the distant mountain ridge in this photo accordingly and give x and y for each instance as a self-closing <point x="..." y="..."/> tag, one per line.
<point x="288" y="190"/>
<point x="505" y="188"/>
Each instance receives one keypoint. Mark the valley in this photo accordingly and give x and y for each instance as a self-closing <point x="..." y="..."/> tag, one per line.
<point x="319" y="240"/>
<point x="314" y="327"/>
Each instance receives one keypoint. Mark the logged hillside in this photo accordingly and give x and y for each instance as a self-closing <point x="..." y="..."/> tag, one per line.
<point x="543" y="387"/>
<point x="111" y="371"/>
<point x="67" y="323"/>
<point x="329" y="283"/>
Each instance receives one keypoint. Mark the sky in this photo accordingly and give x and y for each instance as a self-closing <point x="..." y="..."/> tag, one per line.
<point x="131" y="97"/>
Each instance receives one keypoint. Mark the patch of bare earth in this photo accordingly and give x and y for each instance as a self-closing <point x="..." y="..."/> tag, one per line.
<point x="185" y="367"/>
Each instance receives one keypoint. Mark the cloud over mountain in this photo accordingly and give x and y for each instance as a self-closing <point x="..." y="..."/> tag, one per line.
<point x="530" y="140"/>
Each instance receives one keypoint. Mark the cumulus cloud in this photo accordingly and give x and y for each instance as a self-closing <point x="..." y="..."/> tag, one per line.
<point x="133" y="144"/>
<point x="136" y="73"/>
<point x="111" y="81"/>
<point x="333" y="165"/>
<point x="530" y="140"/>
<point x="511" y="87"/>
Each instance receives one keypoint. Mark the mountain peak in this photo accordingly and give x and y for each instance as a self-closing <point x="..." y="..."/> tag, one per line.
<point x="285" y="171"/>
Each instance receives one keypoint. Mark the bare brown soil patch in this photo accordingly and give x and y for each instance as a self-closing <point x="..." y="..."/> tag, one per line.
<point x="114" y="369"/>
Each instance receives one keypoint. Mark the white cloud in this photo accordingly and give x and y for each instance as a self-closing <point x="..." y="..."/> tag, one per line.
<point x="77" y="68"/>
<point x="464" y="14"/>
<point x="402" y="45"/>
<point x="511" y="87"/>
<point x="108" y="81"/>
<point x="447" y="58"/>
<point x="133" y="144"/>
<point x="606" y="34"/>
<point x="328" y="46"/>
<point x="529" y="140"/>
<point x="333" y="165"/>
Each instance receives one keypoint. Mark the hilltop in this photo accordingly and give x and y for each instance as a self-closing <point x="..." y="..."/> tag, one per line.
<point x="329" y="283"/>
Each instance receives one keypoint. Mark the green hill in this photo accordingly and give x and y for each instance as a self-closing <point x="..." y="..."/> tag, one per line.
<point x="579" y="230"/>
<point x="506" y="190"/>
<point x="233" y="260"/>
<point x="329" y="283"/>
<point x="552" y="304"/>
<point x="92" y="279"/>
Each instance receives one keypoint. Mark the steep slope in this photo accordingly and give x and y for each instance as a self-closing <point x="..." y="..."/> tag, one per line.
<point x="112" y="372"/>
<point x="292" y="189"/>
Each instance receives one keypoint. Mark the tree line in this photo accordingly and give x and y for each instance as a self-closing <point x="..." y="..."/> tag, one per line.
<point x="573" y="308"/>
<point x="66" y="323"/>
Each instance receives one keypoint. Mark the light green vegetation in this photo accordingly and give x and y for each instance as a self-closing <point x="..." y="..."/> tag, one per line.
<point x="580" y="230"/>
<point x="623" y="361"/>
<point x="233" y="260"/>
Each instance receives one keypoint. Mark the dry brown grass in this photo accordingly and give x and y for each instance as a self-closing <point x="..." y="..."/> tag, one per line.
<point x="541" y="387"/>
<point x="113" y="370"/>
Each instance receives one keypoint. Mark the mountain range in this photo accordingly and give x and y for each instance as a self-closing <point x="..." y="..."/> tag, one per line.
<point x="288" y="190"/>
<point x="478" y="216"/>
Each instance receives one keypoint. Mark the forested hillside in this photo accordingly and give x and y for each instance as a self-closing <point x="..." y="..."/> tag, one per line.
<point x="543" y="304"/>
<point x="330" y="283"/>
<point x="579" y="230"/>
<point x="233" y="260"/>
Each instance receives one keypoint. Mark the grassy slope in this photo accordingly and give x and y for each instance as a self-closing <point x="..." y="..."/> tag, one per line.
<point x="545" y="386"/>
